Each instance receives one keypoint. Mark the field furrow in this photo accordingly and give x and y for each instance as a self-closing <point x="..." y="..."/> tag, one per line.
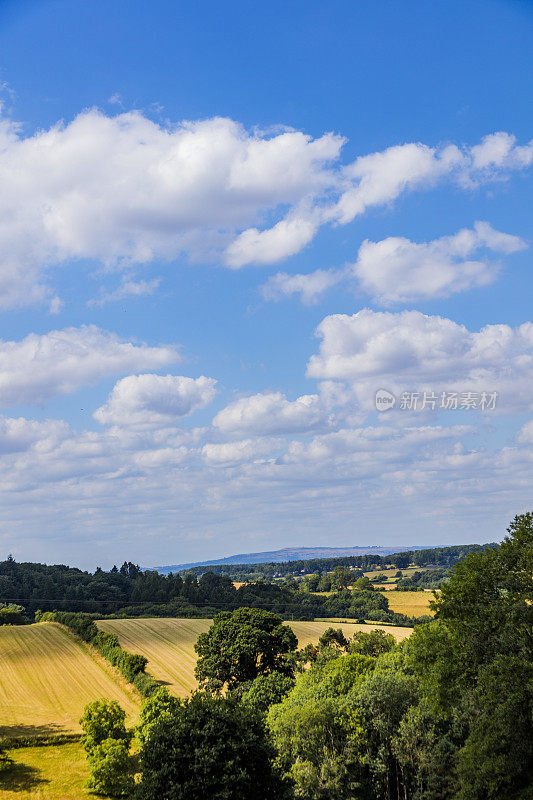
<point x="46" y="679"/>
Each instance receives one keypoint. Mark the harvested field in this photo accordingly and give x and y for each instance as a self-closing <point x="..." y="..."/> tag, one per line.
<point x="414" y="604"/>
<point x="168" y="644"/>
<point x="46" y="679"/>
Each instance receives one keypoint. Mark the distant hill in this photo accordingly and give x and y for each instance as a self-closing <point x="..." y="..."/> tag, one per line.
<point x="290" y="554"/>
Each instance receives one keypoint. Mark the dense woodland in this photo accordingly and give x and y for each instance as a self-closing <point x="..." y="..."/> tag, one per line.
<point x="131" y="592"/>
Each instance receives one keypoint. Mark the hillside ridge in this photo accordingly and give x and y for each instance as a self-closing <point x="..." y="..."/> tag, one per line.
<point x="292" y="554"/>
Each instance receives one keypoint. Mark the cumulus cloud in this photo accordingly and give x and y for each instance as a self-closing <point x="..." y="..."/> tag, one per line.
<point x="17" y="435"/>
<point x="272" y="413"/>
<point x="125" y="190"/>
<point x="155" y="399"/>
<point x="410" y="351"/>
<point x="397" y="270"/>
<point x="86" y="495"/>
<point x="309" y="286"/>
<point x="62" y="361"/>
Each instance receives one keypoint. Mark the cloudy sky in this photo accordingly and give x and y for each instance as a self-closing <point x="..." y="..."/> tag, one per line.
<point x="223" y="228"/>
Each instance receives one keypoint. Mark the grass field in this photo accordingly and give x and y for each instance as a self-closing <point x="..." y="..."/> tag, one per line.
<point x="169" y="643"/>
<point x="414" y="604"/>
<point x="46" y="773"/>
<point x="46" y="679"/>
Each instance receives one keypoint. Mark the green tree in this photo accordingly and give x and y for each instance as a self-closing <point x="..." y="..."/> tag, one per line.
<point x="363" y="583"/>
<point x="209" y="747"/>
<point x="425" y="748"/>
<point x="161" y="705"/>
<point x="341" y="578"/>
<point x="475" y="664"/>
<point x="111" y="769"/>
<point x="374" y="643"/>
<point x="497" y="757"/>
<point x="101" y="720"/>
<point x="334" y="638"/>
<point x="266" y="690"/>
<point x="6" y="763"/>
<point x="241" y="645"/>
<point x="316" y="729"/>
<point x="311" y="582"/>
<point x="382" y="701"/>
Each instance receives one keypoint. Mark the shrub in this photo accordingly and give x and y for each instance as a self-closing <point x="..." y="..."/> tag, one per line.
<point x="111" y="769"/>
<point x="11" y="614"/>
<point x="103" y="720"/>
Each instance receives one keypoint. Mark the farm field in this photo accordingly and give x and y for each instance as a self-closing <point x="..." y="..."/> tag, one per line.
<point x="414" y="604"/>
<point x="46" y="679"/>
<point x="407" y="572"/>
<point x="310" y="632"/>
<point x="169" y="643"/>
<point x="47" y="773"/>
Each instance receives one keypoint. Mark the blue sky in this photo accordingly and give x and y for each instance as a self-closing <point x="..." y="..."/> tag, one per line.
<point x="223" y="228"/>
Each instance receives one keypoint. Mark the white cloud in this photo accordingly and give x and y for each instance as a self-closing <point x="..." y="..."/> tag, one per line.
<point x="86" y="496"/>
<point x="397" y="270"/>
<point x="19" y="434"/>
<point x="127" y="288"/>
<point x="287" y="237"/>
<point x="228" y="454"/>
<point x="155" y="399"/>
<point x="525" y="434"/>
<point x="410" y="351"/>
<point x="309" y="286"/>
<point x="272" y="413"/>
<point x="125" y="190"/>
<point x="500" y="151"/>
<point x="62" y="361"/>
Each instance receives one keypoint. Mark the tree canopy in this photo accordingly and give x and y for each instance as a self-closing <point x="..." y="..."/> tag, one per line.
<point x="241" y="645"/>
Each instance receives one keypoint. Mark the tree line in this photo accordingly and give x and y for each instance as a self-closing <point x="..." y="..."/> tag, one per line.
<point x="131" y="592"/>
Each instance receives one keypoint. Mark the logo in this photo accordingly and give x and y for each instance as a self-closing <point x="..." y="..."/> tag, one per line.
<point x="384" y="400"/>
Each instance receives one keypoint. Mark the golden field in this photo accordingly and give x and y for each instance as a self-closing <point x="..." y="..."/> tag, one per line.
<point x="414" y="604"/>
<point x="168" y="644"/>
<point x="47" y="677"/>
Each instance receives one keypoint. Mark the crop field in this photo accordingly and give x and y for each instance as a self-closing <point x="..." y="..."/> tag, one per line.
<point x="169" y="643"/>
<point x="47" y="773"/>
<point x="46" y="679"/>
<point x="414" y="604"/>
<point x="407" y="572"/>
<point x="310" y="632"/>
